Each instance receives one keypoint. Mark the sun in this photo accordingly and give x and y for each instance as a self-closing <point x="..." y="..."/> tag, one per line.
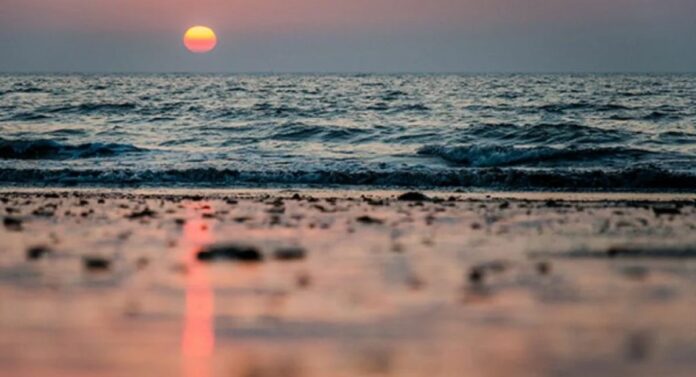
<point x="200" y="39"/>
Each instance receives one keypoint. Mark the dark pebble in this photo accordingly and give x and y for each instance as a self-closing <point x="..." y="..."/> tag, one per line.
<point x="96" y="263"/>
<point x="552" y="204"/>
<point x="290" y="253"/>
<point x="543" y="268"/>
<point x="36" y="252"/>
<point x="230" y="251"/>
<point x="43" y="212"/>
<point x="12" y="223"/>
<point x="369" y="220"/>
<point x="413" y="197"/>
<point x="141" y="214"/>
<point x="659" y="211"/>
<point x="476" y="275"/>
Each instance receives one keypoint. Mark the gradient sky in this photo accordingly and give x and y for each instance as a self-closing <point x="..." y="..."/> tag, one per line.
<point x="350" y="35"/>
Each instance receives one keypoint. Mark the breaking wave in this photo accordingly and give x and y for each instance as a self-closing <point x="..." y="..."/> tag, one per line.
<point x="54" y="150"/>
<point x="634" y="179"/>
<point x="502" y="155"/>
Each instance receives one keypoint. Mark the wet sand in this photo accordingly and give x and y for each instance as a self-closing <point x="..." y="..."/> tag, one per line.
<point x="328" y="283"/>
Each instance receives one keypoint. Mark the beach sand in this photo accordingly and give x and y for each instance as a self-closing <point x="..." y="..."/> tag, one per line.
<point x="346" y="283"/>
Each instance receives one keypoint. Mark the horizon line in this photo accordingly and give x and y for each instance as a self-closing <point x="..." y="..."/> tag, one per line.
<point x="328" y="72"/>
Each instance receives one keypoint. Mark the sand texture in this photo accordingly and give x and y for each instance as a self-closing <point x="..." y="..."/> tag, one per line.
<point x="305" y="284"/>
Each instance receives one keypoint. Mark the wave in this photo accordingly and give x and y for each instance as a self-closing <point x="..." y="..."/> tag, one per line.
<point x="53" y="150"/>
<point x="652" y="116"/>
<point x="562" y="107"/>
<point x="547" y="133"/>
<point x="646" y="178"/>
<point x="297" y="131"/>
<point x="27" y="117"/>
<point x="28" y="89"/>
<point x="502" y="155"/>
<point x="91" y="108"/>
<point x="414" y="107"/>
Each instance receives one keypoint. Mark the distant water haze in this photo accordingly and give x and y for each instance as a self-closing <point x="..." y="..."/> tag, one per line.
<point x="350" y="36"/>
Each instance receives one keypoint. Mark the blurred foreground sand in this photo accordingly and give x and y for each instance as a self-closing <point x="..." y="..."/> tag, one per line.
<point x="96" y="283"/>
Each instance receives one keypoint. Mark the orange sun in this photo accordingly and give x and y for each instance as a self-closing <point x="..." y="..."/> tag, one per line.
<point x="200" y="39"/>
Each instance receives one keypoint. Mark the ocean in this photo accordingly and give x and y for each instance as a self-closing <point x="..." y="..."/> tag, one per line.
<point x="584" y="132"/>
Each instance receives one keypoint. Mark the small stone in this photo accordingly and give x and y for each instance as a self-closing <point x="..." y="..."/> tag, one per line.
<point x="43" y="212"/>
<point x="369" y="220"/>
<point x="290" y="253"/>
<point x="476" y="275"/>
<point x="230" y="251"/>
<point x="12" y="223"/>
<point x="95" y="263"/>
<point x="659" y="211"/>
<point x="413" y="197"/>
<point x="140" y="214"/>
<point x="543" y="268"/>
<point x="36" y="252"/>
<point x="552" y="204"/>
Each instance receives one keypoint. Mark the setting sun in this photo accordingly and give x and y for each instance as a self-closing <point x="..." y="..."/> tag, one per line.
<point x="200" y="39"/>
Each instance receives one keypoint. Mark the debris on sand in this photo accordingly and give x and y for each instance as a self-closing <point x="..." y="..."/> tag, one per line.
<point x="290" y="253"/>
<point x="476" y="275"/>
<point x="625" y="251"/>
<point x="650" y="252"/>
<point x="303" y="280"/>
<point x="230" y="251"/>
<point x="36" y="252"/>
<point x="96" y="263"/>
<point x="44" y="212"/>
<point x="543" y="268"/>
<point x="664" y="210"/>
<point x="365" y="219"/>
<point x="478" y="272"/>
<point x="147" y="212"/>
<point x="12" y="223"/>
<point x="413" y="196"/>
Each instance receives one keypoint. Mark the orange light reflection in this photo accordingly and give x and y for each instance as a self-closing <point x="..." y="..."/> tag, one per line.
<point x="198" y="337"/>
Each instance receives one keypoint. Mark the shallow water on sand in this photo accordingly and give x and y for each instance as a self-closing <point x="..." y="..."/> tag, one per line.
<point x="627" y="132"/>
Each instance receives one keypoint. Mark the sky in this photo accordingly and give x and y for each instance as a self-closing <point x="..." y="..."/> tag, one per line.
<point x="350" y="35"/>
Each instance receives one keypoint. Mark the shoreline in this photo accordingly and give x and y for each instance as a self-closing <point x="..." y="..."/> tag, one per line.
<point x="570" y="196"/>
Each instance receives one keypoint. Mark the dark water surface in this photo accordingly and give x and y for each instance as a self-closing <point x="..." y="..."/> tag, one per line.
<point x="509" y="132"/>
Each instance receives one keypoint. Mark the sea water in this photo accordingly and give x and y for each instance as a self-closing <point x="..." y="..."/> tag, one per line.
<point x="489" y="131"/>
